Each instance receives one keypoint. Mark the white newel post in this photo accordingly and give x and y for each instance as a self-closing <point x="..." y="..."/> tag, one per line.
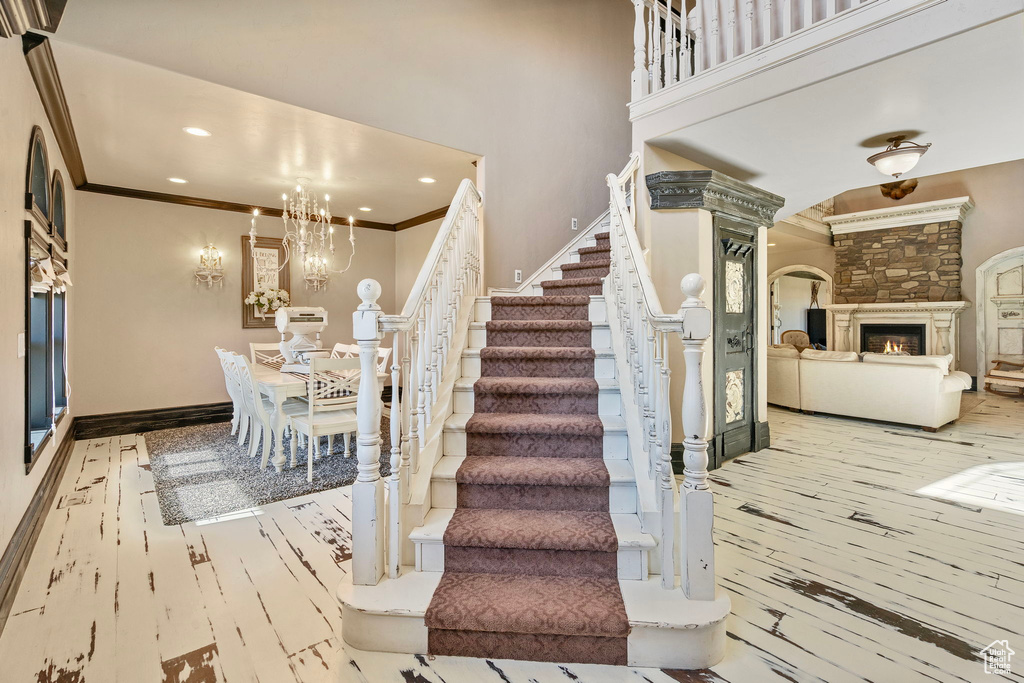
<point x="368" y="521"/>
<point x="696" y="505"/>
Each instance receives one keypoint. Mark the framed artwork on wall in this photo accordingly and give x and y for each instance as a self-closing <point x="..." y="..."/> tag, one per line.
<point x="261" y="269"/>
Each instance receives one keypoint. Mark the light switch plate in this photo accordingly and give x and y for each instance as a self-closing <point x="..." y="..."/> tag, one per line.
<point x="21" y="345"/>
<point x="575" y="224"/>
<point x="518" y="276"/>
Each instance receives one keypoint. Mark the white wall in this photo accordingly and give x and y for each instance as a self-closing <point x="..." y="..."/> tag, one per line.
<point x="538" y="88"/>
<point x="143" y="333"/>
<point x="411" y="247"/>
<point x="20" y="110"/>
<point x="794" y="295"/>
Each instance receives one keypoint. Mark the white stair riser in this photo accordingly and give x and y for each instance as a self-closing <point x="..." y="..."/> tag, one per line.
<point x="609" y="402"/>
<point x="616" y="444"/>
<point x="621" y="495"/>
<point x="604" y="368"/>
<point x="632" y="562"/>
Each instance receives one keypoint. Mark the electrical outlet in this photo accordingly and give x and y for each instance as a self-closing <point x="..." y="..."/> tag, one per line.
<point x="575" y="224"/>
<point x="518" y="276"/>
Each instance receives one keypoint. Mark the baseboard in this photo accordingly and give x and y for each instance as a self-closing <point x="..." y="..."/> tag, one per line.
<point x="14" y="561"/>
<point x="138" y="421"/>
<point x="762" y="435"/>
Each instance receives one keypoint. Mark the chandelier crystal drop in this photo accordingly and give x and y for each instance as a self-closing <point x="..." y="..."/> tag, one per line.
<point x="309" y="233"/>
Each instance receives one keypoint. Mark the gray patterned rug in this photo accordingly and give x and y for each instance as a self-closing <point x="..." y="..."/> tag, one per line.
<point x="201" y="472"/>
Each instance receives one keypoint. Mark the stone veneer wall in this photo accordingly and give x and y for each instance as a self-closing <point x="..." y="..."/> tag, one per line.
<point x="907" y="263"/>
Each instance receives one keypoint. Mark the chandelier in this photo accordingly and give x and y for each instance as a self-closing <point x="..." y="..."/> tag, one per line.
<point x="309" y="233"/>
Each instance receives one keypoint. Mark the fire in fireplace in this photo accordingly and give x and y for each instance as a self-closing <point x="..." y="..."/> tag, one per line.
<point x="884" y="338"/>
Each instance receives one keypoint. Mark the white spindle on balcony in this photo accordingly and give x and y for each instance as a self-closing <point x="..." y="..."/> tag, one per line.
<point x="642" y="333"/>
<point x="423" y="335"/>
<point x="671" y="44"/>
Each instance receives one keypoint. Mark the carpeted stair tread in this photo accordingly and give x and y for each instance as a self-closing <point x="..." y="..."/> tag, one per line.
<point x="538" y="352"/>
<point x="536" y="385"/>
<point x="602" y="236"/>
<point x="585" y="251"/>
<point x="538" y="325"/>
<point x="586" y="265"/>
<point x="569" y="300"/>
<point x="525" y="471"/>
<point x="531" y="530"/>
<point x="572" y="282"/>
<point x="512" y="603"/>
<point x="518" y="423"/>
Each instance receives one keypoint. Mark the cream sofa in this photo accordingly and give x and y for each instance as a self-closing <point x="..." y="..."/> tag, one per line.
<point x="916" y="390"/>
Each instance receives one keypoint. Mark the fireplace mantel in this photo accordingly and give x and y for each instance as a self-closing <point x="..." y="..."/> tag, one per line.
<point x="940" y="318"/>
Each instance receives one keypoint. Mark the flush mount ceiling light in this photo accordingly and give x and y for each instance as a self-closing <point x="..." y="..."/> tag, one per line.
<point x="199" y="132"/>
<point x="180" y="181"/>
<point x="771" y="244"/>
<point x="365" y="208"/>
<point x="427" y="180"/>
<point x="899" y="157"/>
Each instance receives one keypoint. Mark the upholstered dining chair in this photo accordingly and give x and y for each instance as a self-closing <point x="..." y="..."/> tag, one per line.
<point x="797" y="338"/>
<point x="330" y="407"/>
<point x="265" y="353"/>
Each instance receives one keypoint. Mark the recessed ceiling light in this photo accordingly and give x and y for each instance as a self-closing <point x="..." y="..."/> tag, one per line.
<point x="771" y="244"/>
<point x="200" y="132"/>
<point x="365" y="208"/>
<point x="180" y="181"/>
<point x="427" y="180"/>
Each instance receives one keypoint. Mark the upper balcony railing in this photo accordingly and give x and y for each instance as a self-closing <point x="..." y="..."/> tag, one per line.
<point x="672" y="44"/>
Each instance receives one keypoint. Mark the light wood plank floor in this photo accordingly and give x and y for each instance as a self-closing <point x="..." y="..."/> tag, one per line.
<point x="852" y="550"/>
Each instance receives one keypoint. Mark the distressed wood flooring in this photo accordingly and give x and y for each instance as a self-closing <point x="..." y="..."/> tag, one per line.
<point x="853" y="551"/>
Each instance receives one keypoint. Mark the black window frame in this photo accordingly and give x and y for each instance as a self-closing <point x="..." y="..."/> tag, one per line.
<point x="41" y="213"/>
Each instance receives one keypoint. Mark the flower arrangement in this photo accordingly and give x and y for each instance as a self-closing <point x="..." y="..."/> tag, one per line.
<point x="266" y="300"/>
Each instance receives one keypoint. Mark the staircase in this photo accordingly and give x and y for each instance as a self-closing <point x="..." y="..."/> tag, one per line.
<point x="525" y="533"/>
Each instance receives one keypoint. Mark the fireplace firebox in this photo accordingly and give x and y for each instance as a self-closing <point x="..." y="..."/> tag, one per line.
<point x="909" y="339"/>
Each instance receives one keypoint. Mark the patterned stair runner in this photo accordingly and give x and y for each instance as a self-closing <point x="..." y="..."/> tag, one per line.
<point x="530" y="553"/>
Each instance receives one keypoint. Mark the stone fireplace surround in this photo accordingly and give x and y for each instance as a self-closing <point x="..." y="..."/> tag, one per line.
<point x="921" y="288"/>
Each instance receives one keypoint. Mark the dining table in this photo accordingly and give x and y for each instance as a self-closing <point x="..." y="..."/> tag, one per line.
<point x="279" y="387"/>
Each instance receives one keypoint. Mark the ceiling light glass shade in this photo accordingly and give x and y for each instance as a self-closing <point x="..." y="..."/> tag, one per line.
<point x="899" y="157"/>
<point x="199" y="132"/>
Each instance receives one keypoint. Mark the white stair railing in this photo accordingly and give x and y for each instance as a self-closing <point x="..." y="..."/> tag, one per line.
<point x="671" y="45"/>
<point x="423" y="332"/>
<point x="642" y="337"/>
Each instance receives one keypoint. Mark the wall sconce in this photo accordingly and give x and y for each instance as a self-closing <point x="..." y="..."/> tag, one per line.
<point x="209" y="270"/>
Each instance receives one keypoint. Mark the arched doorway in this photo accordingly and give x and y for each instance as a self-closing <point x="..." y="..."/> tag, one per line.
<point x="999" y="307"/>
<point x="825" y="293"/>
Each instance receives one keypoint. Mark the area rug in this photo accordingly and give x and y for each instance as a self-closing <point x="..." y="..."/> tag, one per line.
<point x="970" y="400"/>
<point x="201" y="472"/>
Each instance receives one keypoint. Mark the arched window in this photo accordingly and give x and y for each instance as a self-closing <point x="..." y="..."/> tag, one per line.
<point x="37" y="197"/>
<point x="57" y="214"/>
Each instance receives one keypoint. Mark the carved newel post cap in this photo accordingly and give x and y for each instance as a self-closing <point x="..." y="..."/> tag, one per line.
<point x="369" y="291"/>
<point x="693" y="286"/>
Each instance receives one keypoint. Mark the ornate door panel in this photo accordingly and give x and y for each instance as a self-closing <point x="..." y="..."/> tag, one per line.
<point x="735" y="339"/>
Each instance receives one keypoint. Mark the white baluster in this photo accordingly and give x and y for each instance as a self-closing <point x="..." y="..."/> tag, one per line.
<point x="808" y="12"/>
<point x="830" y="8"/>
<point x="368" y="521"/>
<point x="748" y="28"/>
<point x="698" y="38"/>
<point x="730" y="32"/>
<point x="658" y="34"/>
<point x="696" y="509"/>
<point x="395" y="495"/>
<point x="713" y="49"/>
<point x="672" y="61"/>
<point x="787" y="18"/>
<point x="667" y="482"/>
<point x="410" y="437"/>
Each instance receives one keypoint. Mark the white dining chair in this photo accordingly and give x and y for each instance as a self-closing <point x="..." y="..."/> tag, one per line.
<point x="331" y="407"/>
<point x="265" y="353"/>
<point x="238" y="413"/>
<point x="261" y="410"/>
<point x="352" y="350"/>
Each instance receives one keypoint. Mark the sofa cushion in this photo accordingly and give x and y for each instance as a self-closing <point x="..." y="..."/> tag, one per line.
<point x="940" y="362"/>
<point x="783" y="351"/>
<point x="815" y="354"/>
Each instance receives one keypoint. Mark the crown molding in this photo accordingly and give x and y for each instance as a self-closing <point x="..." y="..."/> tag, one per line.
<point x="422" y="218"/>
<point x="43" y="68"/>
<point x="941" y="211"/>
<point x="18" y="17"/>
<point x="715" y="192"/>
